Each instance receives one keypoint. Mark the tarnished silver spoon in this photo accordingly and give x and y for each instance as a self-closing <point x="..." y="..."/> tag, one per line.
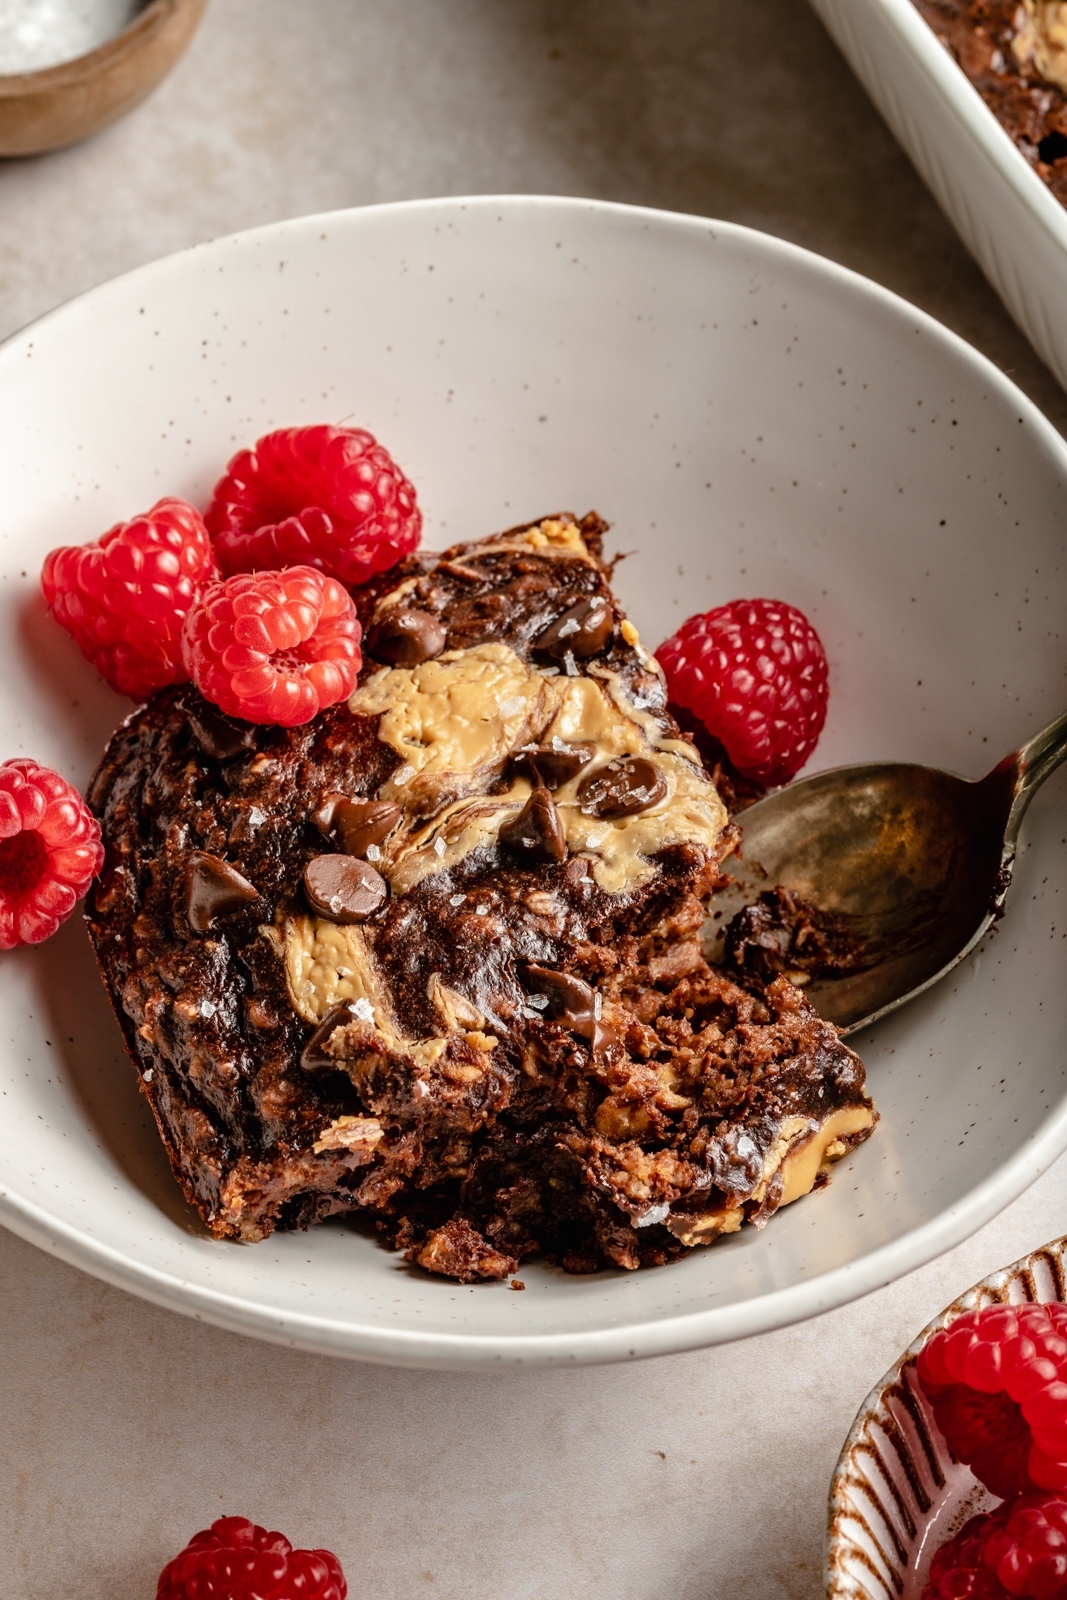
<point x="907" y="866"/>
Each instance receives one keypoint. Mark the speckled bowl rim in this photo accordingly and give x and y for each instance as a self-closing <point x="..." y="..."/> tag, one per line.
<point x="642" y="1335"/>
<point x="994" y="1288"/>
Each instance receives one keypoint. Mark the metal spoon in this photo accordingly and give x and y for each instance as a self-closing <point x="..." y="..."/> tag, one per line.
<point x="909" y="864"/>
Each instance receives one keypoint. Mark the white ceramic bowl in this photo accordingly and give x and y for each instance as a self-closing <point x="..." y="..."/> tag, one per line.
<point x="753" y="420"/>
<point x="1005" y="215"/>
<point x="898" y="1492"/>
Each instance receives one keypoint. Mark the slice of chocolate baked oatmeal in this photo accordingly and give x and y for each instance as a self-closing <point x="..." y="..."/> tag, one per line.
<point x="435" y="956"/>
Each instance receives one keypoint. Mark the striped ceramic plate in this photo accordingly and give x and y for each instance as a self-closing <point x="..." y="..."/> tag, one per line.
<point x="898" y="1491"/>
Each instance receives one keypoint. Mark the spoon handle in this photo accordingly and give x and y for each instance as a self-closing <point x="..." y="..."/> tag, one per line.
<point x="1030" y="766"/>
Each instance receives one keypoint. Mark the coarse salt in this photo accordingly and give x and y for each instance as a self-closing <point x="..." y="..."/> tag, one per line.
<point x="44" y="33"/>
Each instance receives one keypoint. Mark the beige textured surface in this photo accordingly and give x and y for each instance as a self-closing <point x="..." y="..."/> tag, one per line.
<point x="702" y="1477"/>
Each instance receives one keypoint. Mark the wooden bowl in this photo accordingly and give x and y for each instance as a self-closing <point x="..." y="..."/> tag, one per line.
<point x="58" y="105"/>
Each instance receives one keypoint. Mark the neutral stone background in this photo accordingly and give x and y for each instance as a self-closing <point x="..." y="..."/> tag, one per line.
<point x="701" y="1477"/>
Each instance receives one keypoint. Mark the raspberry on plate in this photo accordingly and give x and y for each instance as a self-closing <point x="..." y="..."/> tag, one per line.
<point x="959" y="1570"/>
<point x="1030" y="1553"/>
<point x="755" y="674"/>
<point x="50" y="852"/>
<point x="997" y="1380"/>
<point x="1018" y="1550"/>
<point x="324" y="497"/>
<point x="125" y="597"/>
<point x="236" y="1559"/>
<point x="274" y="647"/>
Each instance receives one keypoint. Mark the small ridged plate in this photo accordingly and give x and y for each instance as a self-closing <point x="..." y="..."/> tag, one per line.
<point x="898" y="1492"/>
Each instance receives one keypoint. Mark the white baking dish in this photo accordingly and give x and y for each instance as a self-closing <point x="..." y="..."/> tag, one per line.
<point x="1010" y="222"/>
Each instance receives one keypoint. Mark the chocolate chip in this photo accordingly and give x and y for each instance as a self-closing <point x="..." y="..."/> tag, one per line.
<point x="571" y="1001"/>
<point x="578" y="878"/>
<point x="622" y="788"/>
<point x="313" y="1057"/>
<point x="219" y="737"/>
<point x="582" y="630"/>
<point x="404" y="638"/>
<point x="537" y="832"/>
<point x="553" y="767"/>
<point x="604" y="1036"/>
<point x="213" y="889"/>
<point x="343" y="888"/>
<point x="355" y="824"/>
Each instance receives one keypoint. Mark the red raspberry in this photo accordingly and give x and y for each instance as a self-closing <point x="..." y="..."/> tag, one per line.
<point x="754" y="672"/>
<point x="50" y="852"/>
<point x="1020" y="1549"/>
<point x="959" y="1570"/>
<point x="274" y="646"/>
<point x="997" y="1379"/>
<point x="235" y="1559"/>
<point x="1030" y="1554"/>
<point x="124" y="598"/>
<point x="316" y="497"/>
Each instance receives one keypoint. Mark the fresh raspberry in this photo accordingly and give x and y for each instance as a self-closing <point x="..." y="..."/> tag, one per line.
<point x="124" y="598"/>
<point x="50" y="852"/>
<point x="274" y="646"/>
<point x="959" y="1570"/>
<point x="997" y="1380"/>
<point x="754" y="672"/>
<point x="1018" y="1550"/>
<point x="324" y="497"/>
<point x="1030" y="1554"/>
<point x="235" y="1559"/>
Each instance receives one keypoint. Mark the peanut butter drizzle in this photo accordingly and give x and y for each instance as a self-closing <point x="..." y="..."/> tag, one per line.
<point x="327" y="963"/>
<point x="803" y="1146"/>
<point x="554" y="536"/>
<point x="464" y="713"/>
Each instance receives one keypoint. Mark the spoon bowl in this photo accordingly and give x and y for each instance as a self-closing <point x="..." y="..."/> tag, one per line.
<point x="905" y="868"/>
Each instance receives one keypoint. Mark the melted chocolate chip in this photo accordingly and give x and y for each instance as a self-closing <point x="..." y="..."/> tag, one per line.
<point x="553" y="767"/>
<point x="219" y="737"/>
<point x="604" y="1036"/>
<point x="343" y="888"/>
<point x="583" y="630"/>
<point x="571" y="1001"/>
<point x="404" y="638"/>
<point x="356" y="824"/>
<point x="313" y="1057"/>
<point x="537" y="832"/>
<point x="622" y="788"/>
<point x="213" y="889"/>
